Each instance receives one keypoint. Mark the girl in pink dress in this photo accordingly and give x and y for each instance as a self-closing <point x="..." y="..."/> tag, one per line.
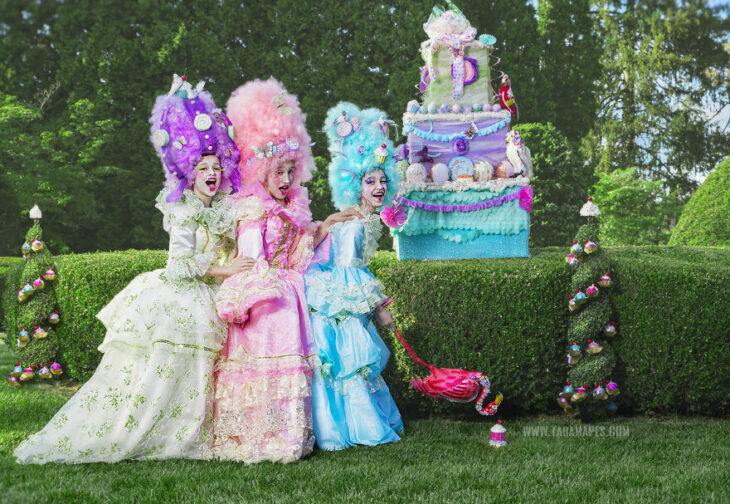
<point x="263" y="393"/>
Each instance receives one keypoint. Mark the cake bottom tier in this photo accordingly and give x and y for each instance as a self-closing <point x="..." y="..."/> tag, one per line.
<point x="432" y="246"/>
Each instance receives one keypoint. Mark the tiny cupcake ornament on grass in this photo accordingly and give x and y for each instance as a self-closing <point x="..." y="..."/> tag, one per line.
<point x="599" y="392"/>
<point x="17" y="370"/>
<point x="27" y="374"/>
<point x="580" y="395"/>
<point x="44" y="373"/>
<point x="568" y="391"/>
<point x="56" y="368"/>
<point x="497" y="433"/>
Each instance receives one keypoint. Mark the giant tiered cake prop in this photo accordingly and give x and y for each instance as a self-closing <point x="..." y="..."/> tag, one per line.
<point x="466" y="191"/>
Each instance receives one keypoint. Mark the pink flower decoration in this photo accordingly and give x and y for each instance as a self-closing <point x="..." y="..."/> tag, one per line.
<point x="394" y="217"/>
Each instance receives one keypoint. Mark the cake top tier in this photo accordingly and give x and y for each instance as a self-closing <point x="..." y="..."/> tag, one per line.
<point x="457" y="66"/>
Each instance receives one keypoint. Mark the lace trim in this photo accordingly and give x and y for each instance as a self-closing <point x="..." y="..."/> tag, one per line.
<point x="351" y="298"/>
<point x="373" y="231"/>
<point x="217" y="219"/>
<point x="238" y="293"/>
<point x="494" y="185"/>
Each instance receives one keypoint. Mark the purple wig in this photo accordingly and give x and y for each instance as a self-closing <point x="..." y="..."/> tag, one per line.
<point x="185" y="126"/>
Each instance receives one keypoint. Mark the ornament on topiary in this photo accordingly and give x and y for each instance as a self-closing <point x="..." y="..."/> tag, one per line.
<point x="590" y="322"/>
<point x="37" y="311"/>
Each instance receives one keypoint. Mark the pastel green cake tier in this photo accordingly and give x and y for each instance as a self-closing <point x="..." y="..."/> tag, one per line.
<point x="440" y="91"/>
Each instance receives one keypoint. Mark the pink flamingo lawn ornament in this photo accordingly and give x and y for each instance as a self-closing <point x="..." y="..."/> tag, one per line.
<point x="454" y="385"/>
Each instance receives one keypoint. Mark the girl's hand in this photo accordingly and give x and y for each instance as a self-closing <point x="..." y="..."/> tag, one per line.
<point x="240" y="264"/>
<point x="345" y="215"/>
<point x="384" y="318"/>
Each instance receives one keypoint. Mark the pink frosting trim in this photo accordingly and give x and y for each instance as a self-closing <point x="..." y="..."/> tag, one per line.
<point x="297" y="211"/>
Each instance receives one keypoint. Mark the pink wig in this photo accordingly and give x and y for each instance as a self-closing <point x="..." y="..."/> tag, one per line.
<point x="270" y="130"/>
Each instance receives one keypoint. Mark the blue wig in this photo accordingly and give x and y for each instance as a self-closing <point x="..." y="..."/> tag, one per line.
<point x="353" y="136"/>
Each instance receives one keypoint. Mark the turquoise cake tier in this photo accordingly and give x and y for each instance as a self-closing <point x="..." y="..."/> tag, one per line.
<point x="432" y="232"/>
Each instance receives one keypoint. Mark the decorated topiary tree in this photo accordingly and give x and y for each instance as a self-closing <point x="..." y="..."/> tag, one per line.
<point x="590" y="356"/>
<point x="37" y="312"/>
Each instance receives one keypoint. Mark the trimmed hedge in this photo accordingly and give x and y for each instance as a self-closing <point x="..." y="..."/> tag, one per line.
<point x="705" y="219"/>
<point x="505" y="317"/>
<point x="5" y="264"/>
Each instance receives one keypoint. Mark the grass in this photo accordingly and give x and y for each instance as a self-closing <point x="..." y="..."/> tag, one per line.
<point x="548" y="460"/>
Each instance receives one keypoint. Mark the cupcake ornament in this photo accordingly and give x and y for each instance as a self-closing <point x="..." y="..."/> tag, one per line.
<point x="580" y="395"/>
<point x="17" y="370"/>
<point x="28" y="374"/>
<point x="21" y="344"/>
<point x="14" y="381"/>
<point x="25" y="248"/>
<point x="592" y="291"/>
<point x="575" y="349"/>
<point x="612" y="388"/>
<point x="568" y="391"/>
<point x="44" y="373"/>
<point x="590" y="247"/>
<point x="599" y="392"/>
<point x="605" y="281"/>
<point x="497" y="435"/>
<point x="579" y="297"/>
<point x="36" y="246"/>
<point x="54" y="318"/>
<point x="23" y="335"/>
<point x="56" y="368"/>
<point x="38" y="284"/>
<point x="576" y="248"/>
<point x="565" y="404"/>
<point x="39" y="333"/>
<point x="381" y="154"/>
<point x="593" y="347"/>
<point x="572" y="361"/>
<point x="610" y="330"/>
<point x="572" y="305"/>
<point x="49" y="275"/>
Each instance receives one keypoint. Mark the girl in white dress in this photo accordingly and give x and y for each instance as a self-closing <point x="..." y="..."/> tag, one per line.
<point x="151" y="396"/>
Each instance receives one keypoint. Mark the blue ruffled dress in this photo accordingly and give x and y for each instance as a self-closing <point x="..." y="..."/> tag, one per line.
<point x="351" y="402"/>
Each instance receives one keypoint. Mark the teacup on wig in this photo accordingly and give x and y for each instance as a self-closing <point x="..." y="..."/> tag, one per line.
<point x="359" y="144"/>
<point x="185" y="126"/>
<point x="270" y="129"/>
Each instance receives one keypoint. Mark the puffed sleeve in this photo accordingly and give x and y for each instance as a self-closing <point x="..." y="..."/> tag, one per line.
<point x="182" y="262"/>
<point x="239" y="292"/>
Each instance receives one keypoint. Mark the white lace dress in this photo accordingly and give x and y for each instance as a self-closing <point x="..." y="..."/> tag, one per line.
<point x="151" y="396"/>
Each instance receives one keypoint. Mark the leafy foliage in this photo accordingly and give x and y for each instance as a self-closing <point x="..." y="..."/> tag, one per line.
<point x="706" y="217"/>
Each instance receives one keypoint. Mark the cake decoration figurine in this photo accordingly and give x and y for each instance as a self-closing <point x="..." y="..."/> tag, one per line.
<point x="497" y="433"/>
<point x="579" y="297"/>
<point x="612" y="388"/>
<point x="575" y="349"/>
<point x="580" y="395"/>
<point x="38" y="284"/>
<point x="590" y="247"/>
<point x="592" y="291"/>
<point x="36" y="245"/>
<point x="39" y="333"/>
<point x="44" y="373"/>
<point x="23" y="335"/>
<point x="25" y="248"/>
<point x="599" y="392"/>
<point x="568" y="391"/>
<point x="589" y="209"/>
<point x="576" y="248"/>
<point x="56" y="368"/>
<point x="28" y="373"/>
<point x="54" y="318"/>
<point x="605" y="281"/>
<point x="518" y="154"/>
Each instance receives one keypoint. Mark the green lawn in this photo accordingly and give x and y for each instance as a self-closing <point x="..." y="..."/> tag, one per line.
<point x="621" y="460"/>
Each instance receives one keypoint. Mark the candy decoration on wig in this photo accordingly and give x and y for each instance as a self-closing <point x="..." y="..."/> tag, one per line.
<point x="455" y="385"/>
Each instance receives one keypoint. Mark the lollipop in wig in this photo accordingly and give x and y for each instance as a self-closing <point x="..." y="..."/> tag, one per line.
<point x="185" y="126"/>
<point x="359" y="144"/>
<point x="270" y="130"/>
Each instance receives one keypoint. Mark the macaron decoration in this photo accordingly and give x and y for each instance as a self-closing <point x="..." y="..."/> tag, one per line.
<point x="579" y="297"/>
<point x="36" y="245"/>
<point x="50" y="274"/>
<point x="17" y="370"/>
<point x="54" y="318"/>
<point x="14" y="381"/>
<point x="23" y="335"/>
<point x="39" y="333"/>
<point x="38" y="284"/>
<point x="590" y="247"/>
<point x="592" y="291"/>
<point x="28" y="374"/>
<point x="593" y="347"/>
<point x="56" y="368"/>
<point x="575" y="349"/>
<point x="497" y="435"/>
<point x="44" y="373"/>
<point x="568" y="391"/>
<point x="605" y="281"/>
<point x="580" y="394"/>
<point x="612" y="388"/>
<point x="599" y="392"/>
<point x="610" y="330"/>
<point x="576" y="248"/>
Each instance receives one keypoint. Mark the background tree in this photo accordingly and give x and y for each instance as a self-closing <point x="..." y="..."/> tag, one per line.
<point x="659" y="92"/>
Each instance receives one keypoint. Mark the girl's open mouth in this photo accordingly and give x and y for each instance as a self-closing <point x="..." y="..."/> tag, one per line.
<point x="211" y="183"/>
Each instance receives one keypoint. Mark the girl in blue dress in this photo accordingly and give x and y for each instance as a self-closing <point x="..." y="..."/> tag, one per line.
<point x="351" y="403"/>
